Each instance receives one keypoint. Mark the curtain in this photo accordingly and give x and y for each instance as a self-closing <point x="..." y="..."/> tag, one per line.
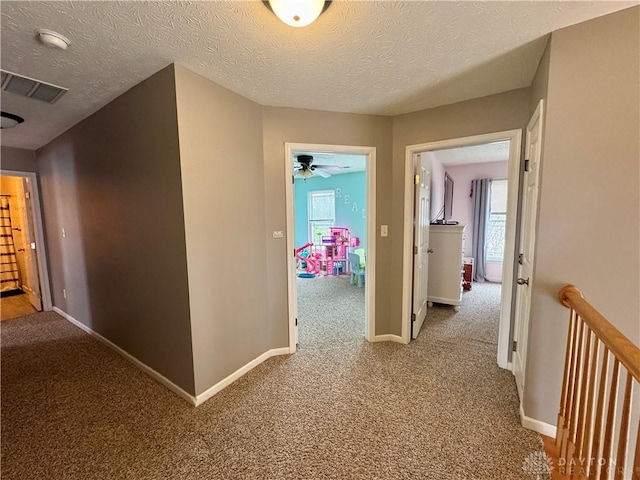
<point x="481" y="201"/>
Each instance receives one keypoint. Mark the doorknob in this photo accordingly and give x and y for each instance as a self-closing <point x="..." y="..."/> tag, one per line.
<point x="430" y="250"/>
<point x="522" y="281"/>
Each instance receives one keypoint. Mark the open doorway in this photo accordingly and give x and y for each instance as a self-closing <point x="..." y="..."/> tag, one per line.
<point x="331" y="235"/>
<point x="455" y="256"/>
<point x="24" y="282"/>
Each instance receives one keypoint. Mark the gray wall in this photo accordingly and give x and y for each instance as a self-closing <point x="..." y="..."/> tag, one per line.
<point x="113" y="183"/>
<point x="223" y="194"/>
<point x="589" y="212"/>
<point x="18" y="159"/>
<point x="282" y="125"/>
<point x="504" y="111"/>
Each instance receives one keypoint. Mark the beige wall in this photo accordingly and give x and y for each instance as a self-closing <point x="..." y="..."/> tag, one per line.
<point x="504" y="111"/>
<point x="589" y="212"/>
<point x="223" y="195"/>
<point x="540" y="83"/>
<point x="17" y="159"/>
<point x="113" y="183"/>
<point x="283" y="125"/>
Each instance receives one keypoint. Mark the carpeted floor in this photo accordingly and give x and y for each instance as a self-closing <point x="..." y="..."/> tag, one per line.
<point x="340" y="408"/>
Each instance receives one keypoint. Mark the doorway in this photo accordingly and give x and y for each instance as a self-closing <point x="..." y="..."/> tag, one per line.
<point x="24" y="286"/>
<point x="330" y="222"/>
<point x="509" y="144"/>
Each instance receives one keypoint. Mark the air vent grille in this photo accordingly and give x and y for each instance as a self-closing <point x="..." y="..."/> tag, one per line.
<point x="31" y="88"/>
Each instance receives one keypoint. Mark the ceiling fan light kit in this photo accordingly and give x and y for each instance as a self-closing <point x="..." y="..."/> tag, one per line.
<point x="297" y="13"/>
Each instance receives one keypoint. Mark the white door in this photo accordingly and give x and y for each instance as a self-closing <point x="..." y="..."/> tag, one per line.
<point x="30" y="278"/>
<point x="527" y="243"/>
<point x="421" y="219"/>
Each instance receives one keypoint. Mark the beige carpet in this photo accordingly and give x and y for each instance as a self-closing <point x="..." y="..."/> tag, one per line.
<point x="340" y="408"/>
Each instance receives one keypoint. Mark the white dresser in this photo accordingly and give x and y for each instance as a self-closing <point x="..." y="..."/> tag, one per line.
<point x="445" y="265"/>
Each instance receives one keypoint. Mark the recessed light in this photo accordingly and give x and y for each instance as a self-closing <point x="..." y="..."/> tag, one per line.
<point x="52" y="39"/>
<point x="9" y="120"/>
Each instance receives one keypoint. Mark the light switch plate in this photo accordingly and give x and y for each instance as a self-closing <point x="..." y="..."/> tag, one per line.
<point x="384" y="230"/>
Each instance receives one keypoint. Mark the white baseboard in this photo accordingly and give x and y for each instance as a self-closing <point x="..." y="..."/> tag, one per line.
<point x="142" y="366"/>
<point x="536" y="425"/>
<point x="387" y="338"/>
<point x="207" y="394"/>
<point x="194" y="400"/>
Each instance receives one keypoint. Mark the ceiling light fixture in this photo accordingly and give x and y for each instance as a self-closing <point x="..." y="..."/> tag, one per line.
<point x="9" y="120"/>
<point x="52" y="39"/>
<point x="297" y="13"/>
<point x="305" y="174"/>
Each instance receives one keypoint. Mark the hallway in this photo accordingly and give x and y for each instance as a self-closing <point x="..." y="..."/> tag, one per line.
<point x="438" y="408"/>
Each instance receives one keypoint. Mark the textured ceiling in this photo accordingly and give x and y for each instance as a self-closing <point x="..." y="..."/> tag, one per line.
<point x="488" y="152"/>
<point x="384" y="57"/>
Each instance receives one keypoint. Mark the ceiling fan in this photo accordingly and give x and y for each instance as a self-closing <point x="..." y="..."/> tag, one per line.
<point x="303" y="167"/>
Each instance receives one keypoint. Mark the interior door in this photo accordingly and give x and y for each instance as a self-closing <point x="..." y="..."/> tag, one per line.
<point x="421" y="219"/>
<point x="30" y="279"/>
<point x="527" y="243"/>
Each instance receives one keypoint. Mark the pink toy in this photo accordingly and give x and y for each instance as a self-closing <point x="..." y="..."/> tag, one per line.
<point x="312" y="260"/>
<point x="335" y="247"/>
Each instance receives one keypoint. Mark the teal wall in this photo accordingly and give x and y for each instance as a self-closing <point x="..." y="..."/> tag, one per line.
<point x="349" y="187"/>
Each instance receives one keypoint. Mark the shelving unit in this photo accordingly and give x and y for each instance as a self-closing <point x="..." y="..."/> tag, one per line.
<point x="9" y="272"/>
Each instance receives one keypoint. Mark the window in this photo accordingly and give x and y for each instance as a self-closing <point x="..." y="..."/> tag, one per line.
<point x="497" y="220"/>
<point x="322" y="213"/>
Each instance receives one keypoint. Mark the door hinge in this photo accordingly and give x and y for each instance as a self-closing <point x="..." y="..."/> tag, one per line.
<point x="526" y="165"/>
<point x="514" y="347"/>
<point x="413" y="317"/>
<point x="296" y="321"/>
<point x="520" y="257"/>
<point x="293" y="180"/>
<point x="415" y="250"/>
<point x="27" y="195"/>
<point x="417" y="179"/>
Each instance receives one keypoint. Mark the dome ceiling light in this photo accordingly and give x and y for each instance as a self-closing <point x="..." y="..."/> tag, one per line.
<point x="9" y="120"/>
<point x="297" y="13"/>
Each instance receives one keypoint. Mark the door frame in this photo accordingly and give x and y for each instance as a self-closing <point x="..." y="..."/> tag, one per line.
<point x="41" y="250"/>
<point x="513" y="177"/>
<point x="370" y="247"/>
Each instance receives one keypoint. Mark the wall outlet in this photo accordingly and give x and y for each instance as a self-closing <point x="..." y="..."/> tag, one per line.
<point x="64" y="233"/>
<point x="278" y="234"/>
<point x="64" y="292"/>
<point x="384" y="230"/>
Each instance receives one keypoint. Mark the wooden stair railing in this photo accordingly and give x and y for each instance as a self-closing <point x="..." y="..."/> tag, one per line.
<point x="598" y="360"/>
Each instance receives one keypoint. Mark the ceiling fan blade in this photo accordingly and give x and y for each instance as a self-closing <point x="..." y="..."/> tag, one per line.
<point x="331" y="168"/>
<point x="322" y="173"/>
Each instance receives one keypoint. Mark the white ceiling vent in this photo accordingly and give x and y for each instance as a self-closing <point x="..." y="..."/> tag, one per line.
<point x="29" y="87"/>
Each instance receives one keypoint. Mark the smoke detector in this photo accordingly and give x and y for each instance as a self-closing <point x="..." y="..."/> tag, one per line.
<point x="52" y="39"/>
